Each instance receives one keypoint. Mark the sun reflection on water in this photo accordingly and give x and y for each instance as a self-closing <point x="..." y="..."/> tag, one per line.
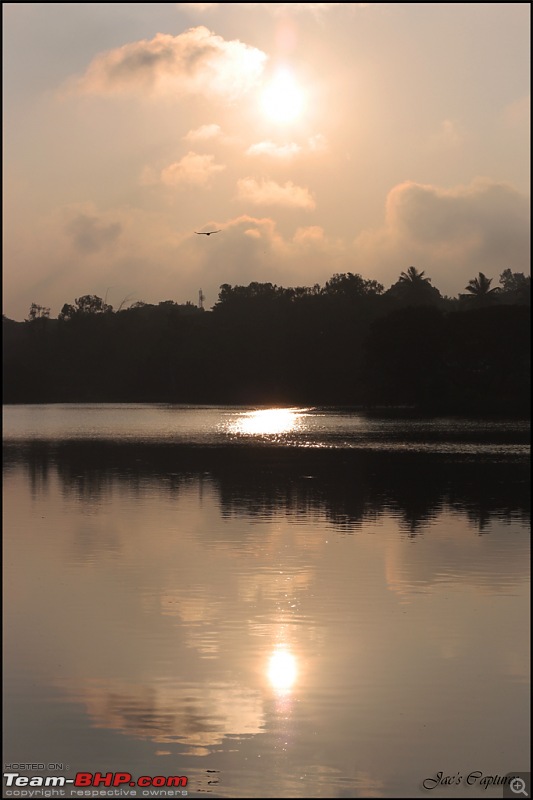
<point x="268" y="421"/>
<point x="282" y="670"/>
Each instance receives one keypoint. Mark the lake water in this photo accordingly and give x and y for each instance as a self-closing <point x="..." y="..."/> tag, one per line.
<point x="271" y="602"/>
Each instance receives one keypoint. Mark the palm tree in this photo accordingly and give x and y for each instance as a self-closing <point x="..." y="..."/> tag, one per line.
<point x="413" y="289"/>
<point x="480" y="287"/>
<point x="414" y="277"/>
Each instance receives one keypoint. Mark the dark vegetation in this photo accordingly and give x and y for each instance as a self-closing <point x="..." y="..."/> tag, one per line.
<point x="348" y="342"/>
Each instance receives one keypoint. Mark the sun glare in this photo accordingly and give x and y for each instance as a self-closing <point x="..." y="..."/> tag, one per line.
<point x="282" y="670"/>
<point x="267" y="422"/>
<point x="282" y="99"/>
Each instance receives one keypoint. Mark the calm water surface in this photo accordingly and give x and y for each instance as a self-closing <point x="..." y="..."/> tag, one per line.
<point x="272" y="602"/>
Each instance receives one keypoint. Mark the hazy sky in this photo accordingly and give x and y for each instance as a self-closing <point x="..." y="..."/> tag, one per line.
<point x="319" y="137"/>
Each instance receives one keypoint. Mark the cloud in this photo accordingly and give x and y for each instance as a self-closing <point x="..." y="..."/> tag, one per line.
<point x="196" y="61"/>
<point x="267" y="192"/>
<point x="253" y="249"/>
<point x="449" y="233"/>
<point x="193" y="169"/>
<point x="475" y="213"/>
<point x="203" y="133"/>
<point x="273" y="150"/>
<point x="141" y="261"/>
<point x="448" y="136"/>
<point x="90" y="235"/>
<point x="312" y="236"/>
<point x="151" y="260"/>
<point x="315" y="144"/>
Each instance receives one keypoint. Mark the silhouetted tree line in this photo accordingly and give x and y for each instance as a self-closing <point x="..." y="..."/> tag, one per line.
<point x="348" y="342"/>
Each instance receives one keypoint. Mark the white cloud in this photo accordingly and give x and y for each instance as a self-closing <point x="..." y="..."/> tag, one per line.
<point x="284" y="152"/>
<point x="203" y="133"/>
<point x="273" y="150"/>
<point x="193" y="168"/>
<point x="267" y="192"/>
<point x="196" y="61"/>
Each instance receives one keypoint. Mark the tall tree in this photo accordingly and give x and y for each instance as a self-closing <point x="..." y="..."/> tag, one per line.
<point x="413" y="288"/>
<point x="350" y="285"/>
<point x="479" y="288"/>
<point x="414" y="278"/>
<point x="91" y="304"/>
<point x="516" y="287"/>
<point x="38" y="312"/>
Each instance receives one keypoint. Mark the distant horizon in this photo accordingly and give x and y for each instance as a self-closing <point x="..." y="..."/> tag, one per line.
<point x="128" y="303"/>
<point x="317" y="138"/>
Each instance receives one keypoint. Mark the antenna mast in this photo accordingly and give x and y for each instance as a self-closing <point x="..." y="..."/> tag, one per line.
<point x="201" y="298"/>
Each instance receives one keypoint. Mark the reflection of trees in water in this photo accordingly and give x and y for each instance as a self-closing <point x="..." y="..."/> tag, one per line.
<point x="36" y="459"/>
<point x="353" y="488"/>
<point x="347" y="487"/>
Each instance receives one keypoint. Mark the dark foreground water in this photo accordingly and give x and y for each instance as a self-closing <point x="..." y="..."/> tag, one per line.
<point x="272" y="603"/>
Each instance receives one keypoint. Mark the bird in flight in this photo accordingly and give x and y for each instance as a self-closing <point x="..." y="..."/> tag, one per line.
<point x="207" y="233"/>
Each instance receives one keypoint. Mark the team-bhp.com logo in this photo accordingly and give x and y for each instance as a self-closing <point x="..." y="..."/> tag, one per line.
<point x="18" y="785"/>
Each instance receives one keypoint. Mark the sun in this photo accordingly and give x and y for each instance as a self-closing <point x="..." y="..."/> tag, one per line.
<point x="282" y="100"/>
